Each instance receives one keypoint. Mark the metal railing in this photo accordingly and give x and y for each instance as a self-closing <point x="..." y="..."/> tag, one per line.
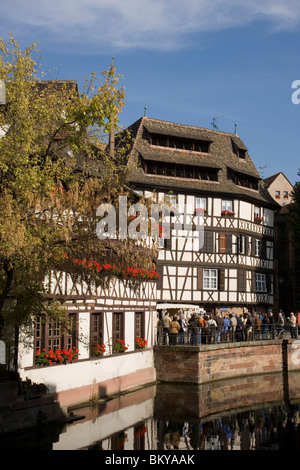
<point x="233" y="334"/>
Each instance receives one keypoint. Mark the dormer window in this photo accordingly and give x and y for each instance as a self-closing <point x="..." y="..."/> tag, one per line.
<point x="238" y="148"/>
<point x="181" y="143"/>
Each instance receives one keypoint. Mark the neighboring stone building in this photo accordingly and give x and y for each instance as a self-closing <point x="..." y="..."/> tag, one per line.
<point x="279" y="188"/>
<point x="210" y="171"/>
<point x="287" y="275"/>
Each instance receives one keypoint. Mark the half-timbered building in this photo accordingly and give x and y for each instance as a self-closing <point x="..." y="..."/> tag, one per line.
<point x="211" y="172"/>
<point x="99" y="317"/>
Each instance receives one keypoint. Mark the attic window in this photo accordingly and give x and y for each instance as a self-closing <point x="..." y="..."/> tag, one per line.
<point x="180" y="171"/>
<point x="181" y="143"/>
<point x="239" y="150"/>
<point x="241" y="179"/>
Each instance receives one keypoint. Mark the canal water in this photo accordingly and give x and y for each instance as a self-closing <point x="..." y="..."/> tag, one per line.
<point x="251" y="413"/>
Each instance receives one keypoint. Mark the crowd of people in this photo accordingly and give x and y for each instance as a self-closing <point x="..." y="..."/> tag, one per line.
<point x="224" y="327"/>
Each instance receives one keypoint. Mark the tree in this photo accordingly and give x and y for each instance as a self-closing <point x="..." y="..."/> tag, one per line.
<point x="55" y="170"/>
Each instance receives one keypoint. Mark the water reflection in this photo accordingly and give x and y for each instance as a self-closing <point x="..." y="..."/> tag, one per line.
<point x="261" y="429"/>
<point x="250" y="413"/>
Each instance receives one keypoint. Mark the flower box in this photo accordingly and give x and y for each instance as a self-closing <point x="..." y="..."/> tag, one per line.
<point x="200" y="211"/>
<point x="140" y="343"/>
<point x="258" y="220"/>
<point x="59" y="356"/>
<point x="227" y="213"/>
<point x="97" y="350"/>
<point x="120" y="346"/>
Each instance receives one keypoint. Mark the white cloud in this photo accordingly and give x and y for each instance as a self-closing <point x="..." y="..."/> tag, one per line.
<point x="155" y="24"/>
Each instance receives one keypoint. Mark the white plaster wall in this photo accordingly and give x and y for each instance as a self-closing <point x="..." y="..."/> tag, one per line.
<point x="60" y="378"/>
<point x="245" y="210"/>
<point x="217" y="207"/>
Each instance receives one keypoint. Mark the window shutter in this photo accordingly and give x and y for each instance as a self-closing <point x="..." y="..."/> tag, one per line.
<point x="241" y="280"/>
<point x="208" y="242"/>
<point x="268" y="282"/>
<point x="221" y="279"/>
<point x="253" y="281"/>
<point x="199" y="278"/>
<point x="168" y="243"/>
<point x="159" y="270"/>
<point x="263" y="249"/>
<point x="252" y="246"/>
<point x="229" y="243"/>
<point x="246" y="245"/>
<point x="222" y="243"/>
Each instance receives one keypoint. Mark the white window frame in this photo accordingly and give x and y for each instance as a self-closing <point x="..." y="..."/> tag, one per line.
<point x="227" y="205"/>
<point x="170" y="199"/>
<point x="260" y="282"/>
<point x="201" y="203"/>
<point x="242" y="244"/>
<point x="257" y="211"/>
<point x="210" y="279"/>
<point x="257" y="247"/>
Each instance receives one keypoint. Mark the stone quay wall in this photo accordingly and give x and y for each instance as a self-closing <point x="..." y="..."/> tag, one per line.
<point x="208" y="363"/>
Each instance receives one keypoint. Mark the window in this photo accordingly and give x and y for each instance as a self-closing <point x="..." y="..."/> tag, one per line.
<point x="118" y="326"/>
<point x="285" y="194"/>
<point x="182" y="143"/>
<point x="256" y="211"/>
<point x="97" y="328"/>
<point x="277" y="194"/>
<point x="208" y="242"/>
<point x="55" y="334"/>
<point x="257" y="251"/>
<point x="139" y="324"/>
<point x="201" y="203"/>
<point x="210" y="279"/>
<point x="242" y="244"/>
<point x="227" y="205"/>
<point x="179" y="171"/>
<point x="261" y="285"/>
<point x="170" y="199"/>
<point x="242" y="179"/>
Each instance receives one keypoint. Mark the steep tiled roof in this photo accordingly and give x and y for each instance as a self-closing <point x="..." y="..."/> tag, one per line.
<point x="221" y="156"/>
<point x="270" y="179"/>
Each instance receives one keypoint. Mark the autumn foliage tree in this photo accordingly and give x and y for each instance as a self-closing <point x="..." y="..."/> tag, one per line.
<point x="54" y="171"/>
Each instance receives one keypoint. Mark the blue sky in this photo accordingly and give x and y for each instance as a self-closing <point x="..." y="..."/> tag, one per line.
<point x="188" y="61"/>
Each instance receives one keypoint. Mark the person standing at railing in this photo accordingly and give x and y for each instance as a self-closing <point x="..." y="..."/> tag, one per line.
<point x="211" y="329"/>
<point x="233" y="325"/>
<point x="219" y="327"/>
<point x="194" y="326"/>
<point x="293" y="323"/>
<point x="166" y="326"/>
<point x="174" y="330"/>
<point x="183" y="329"/>
<point x="265" y="326"/>
<point x="239" y="328"/>
<point x="280" y="322"/>
<point x="272" y="325"/>
<point x="298" y="324"/>
<point x="256" y="326"/>
<point x="225" y="328"/>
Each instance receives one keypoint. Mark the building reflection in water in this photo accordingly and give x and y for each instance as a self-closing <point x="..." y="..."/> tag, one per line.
<point x="249" y="413"/>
